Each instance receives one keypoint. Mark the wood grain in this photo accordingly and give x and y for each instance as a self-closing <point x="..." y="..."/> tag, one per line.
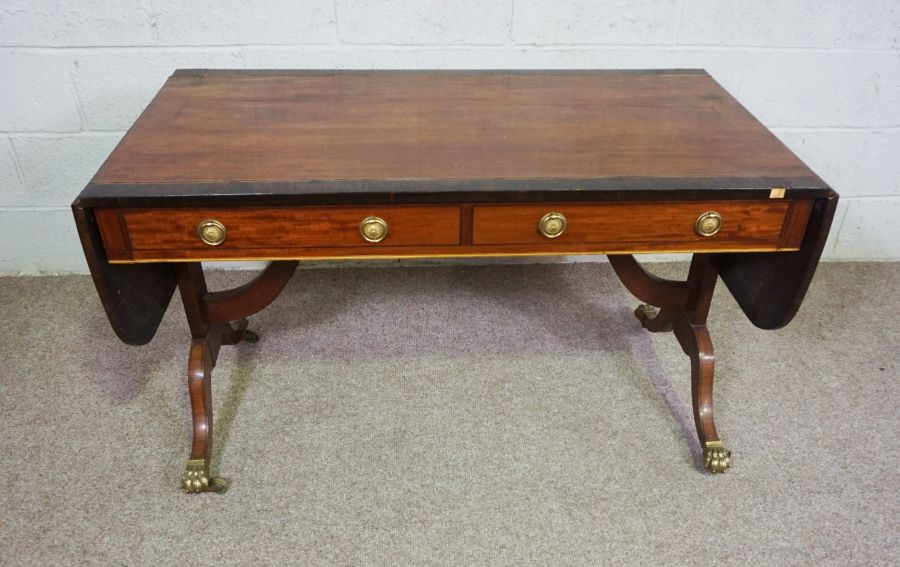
<point x="112" y="230"/>
<point x="220" y="127"/>
<point x="421" y="231"/>
<point x="135" y="298"/>
<point x="297" y="227"/>
<point x="770" y="287"/>
<point x="667" y="223"/>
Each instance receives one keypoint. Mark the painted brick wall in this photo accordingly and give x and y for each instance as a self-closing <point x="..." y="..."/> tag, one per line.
<point x="74" y="74"/>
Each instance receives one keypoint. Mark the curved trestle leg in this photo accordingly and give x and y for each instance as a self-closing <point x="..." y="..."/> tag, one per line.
<point x="196" y="477"/>
<point x="683" y="308"/>
<point x="208" y="315"/>
<point x="697" y="344"/>
<point x="201" y="361"/>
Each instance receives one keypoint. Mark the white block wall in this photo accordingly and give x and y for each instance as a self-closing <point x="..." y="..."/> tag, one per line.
<point x="74" y="74"/>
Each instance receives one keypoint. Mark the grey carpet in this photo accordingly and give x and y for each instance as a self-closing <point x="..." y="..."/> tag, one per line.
<point x="461" y="415"/>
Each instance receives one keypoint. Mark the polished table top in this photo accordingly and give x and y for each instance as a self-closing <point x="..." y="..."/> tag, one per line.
<point x="322" y="133"/>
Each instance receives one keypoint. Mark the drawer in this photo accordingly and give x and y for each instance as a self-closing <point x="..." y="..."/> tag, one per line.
<point x="307" y="232"/>
<point x="289" y="227"/>
<point x="743" y="222"/>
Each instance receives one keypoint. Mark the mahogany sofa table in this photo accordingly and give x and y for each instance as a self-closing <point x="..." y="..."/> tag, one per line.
<point x="290" y="166"/>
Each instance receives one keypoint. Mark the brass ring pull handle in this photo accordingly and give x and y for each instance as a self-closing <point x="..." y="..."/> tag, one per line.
<point x="552" y="225"/>
<point x="708" y="223"/>
<point x="373" y="229"/>
<point x="212" y="232"/>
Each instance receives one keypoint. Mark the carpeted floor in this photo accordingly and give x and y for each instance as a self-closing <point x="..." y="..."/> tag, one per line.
<point x="456" y="415"/>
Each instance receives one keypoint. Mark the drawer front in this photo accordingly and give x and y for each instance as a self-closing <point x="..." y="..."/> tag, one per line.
<point x="307" y="232"/>
<point x="290" y="227"/>
<point x="742" y="222"/>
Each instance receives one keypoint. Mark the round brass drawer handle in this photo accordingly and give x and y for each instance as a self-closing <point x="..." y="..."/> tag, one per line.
<point x="212" y="232"/>
<point x="708" y="223"/>
<point x="552" y="225"/>
<point x="373" y="229"/>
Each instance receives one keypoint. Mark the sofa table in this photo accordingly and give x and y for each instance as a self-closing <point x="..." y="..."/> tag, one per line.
<point x="290" y="166"/>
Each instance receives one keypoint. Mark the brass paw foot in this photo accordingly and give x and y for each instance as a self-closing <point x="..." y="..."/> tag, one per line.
<point x="716" y="458"/>
<point x="196" y="479"/>
<point x="653" y="319"/>
<point x="644" y="311"/>
<point x="243" y="333"/>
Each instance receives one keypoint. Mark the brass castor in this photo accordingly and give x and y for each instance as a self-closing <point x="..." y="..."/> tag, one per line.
<point x="716" y="458"/>
<point x="243" y="333"/>
<point x="249" y="336"/>
<point x="648" y="316"/>
<point x="645" y="311"/>
<point x="196" y="479"/>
